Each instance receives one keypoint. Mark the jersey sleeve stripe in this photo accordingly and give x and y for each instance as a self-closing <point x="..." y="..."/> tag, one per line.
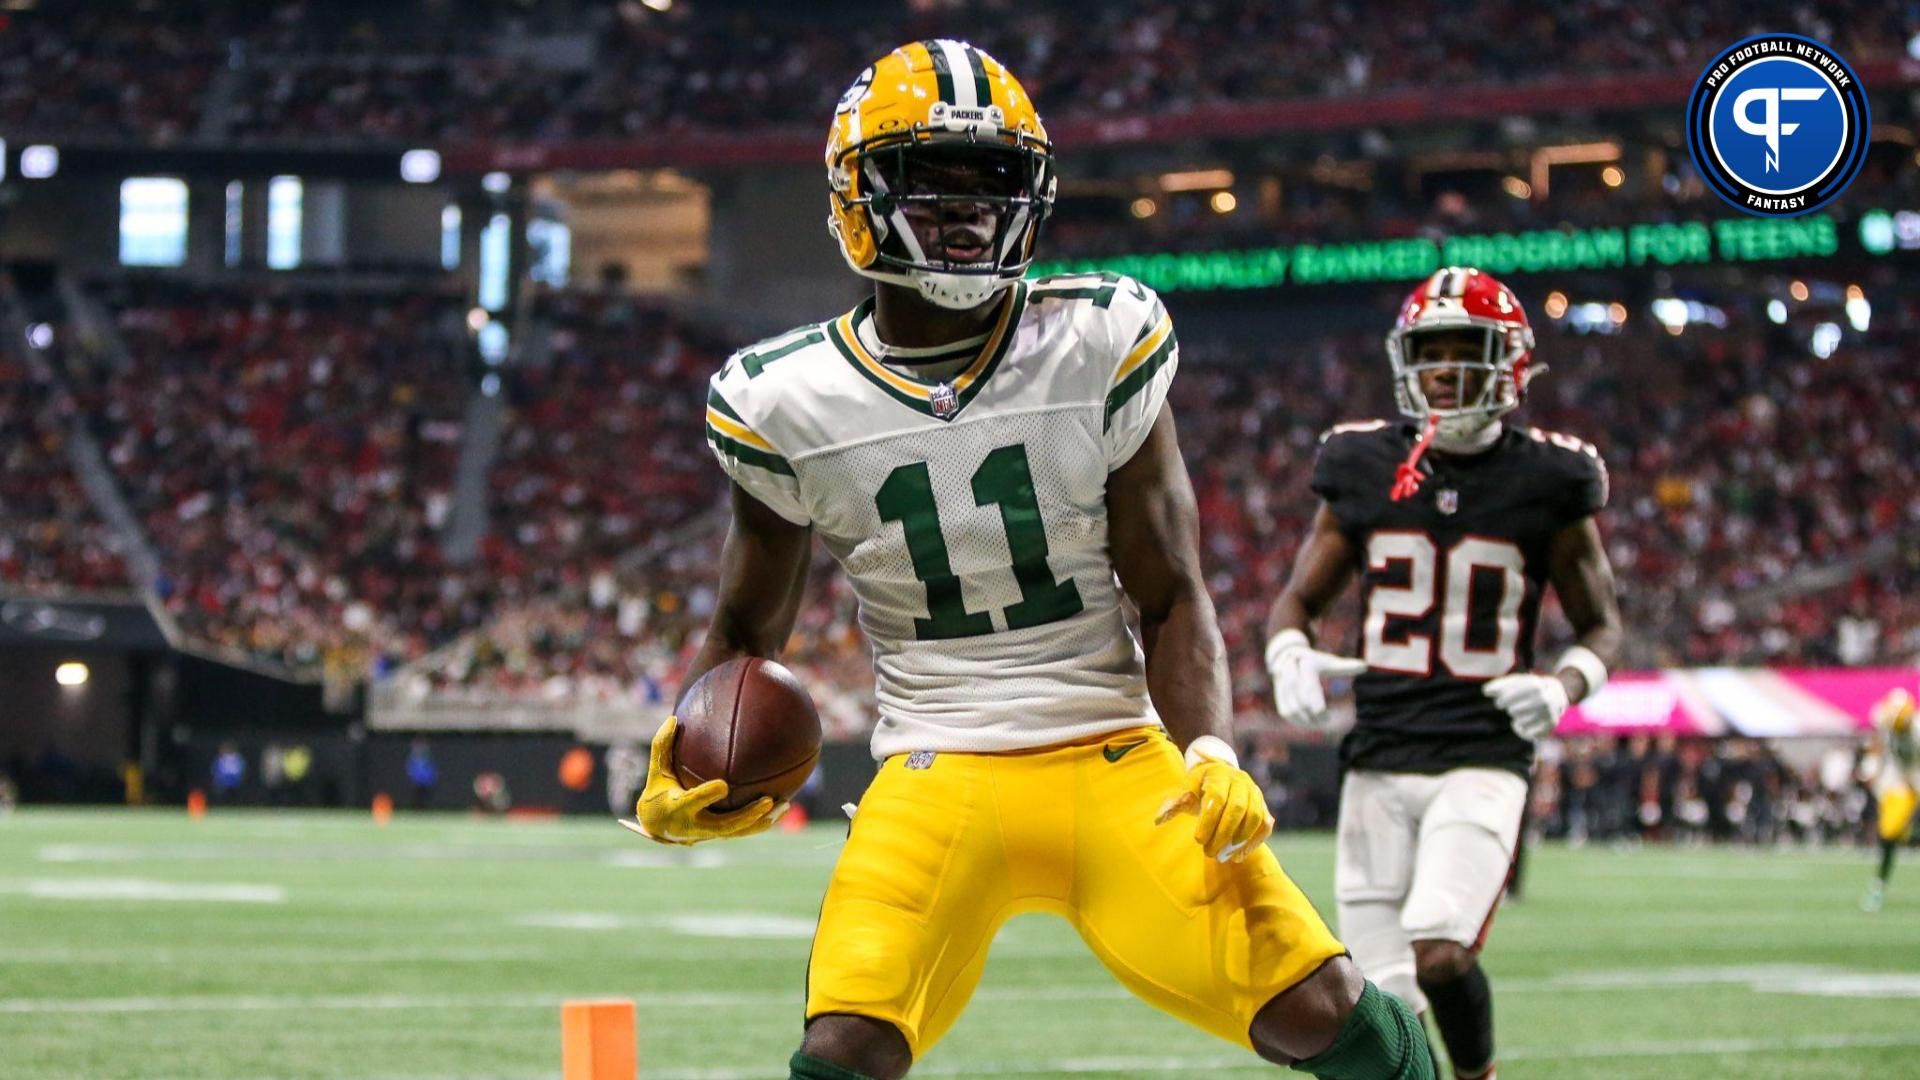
<point x="1154" y="319"/>
<point x="749" y="455"/>
<point x="1141" y="375"/>
<point x="735" y="430"/>
<point x="1147" y="345"/>
<point x="718" y="403"/>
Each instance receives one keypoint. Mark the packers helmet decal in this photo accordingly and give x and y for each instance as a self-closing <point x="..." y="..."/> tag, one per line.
<point x="928" y="114"/>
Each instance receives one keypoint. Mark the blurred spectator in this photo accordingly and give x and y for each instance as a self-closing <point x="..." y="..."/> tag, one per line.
<point x="423" y="775"/>
<point x="229" y="771"/>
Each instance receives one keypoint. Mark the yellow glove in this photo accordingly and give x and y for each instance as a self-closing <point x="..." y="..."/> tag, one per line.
<point x="672" y="814"/>
<point x="1232" y="810"/>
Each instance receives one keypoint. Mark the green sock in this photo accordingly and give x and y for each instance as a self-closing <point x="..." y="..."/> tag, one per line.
<point x="812" y="1068"/>
<point x="1381" y="1040"/>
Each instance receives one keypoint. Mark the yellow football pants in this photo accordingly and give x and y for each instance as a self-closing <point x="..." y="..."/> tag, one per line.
<point x="1896" y="815"/>
<point x="941" y="855"/>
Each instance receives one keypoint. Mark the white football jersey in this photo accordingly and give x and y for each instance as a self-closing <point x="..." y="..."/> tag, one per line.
<point x="1895" y="766"/>
<point x="969" y="513"/>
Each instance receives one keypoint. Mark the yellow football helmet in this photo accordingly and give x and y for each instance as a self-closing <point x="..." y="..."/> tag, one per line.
<point x="924" y="119"/>
<point x="1894" y="713"/>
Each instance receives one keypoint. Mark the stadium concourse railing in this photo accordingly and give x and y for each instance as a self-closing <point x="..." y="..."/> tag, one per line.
<point x="1228" y="121"/>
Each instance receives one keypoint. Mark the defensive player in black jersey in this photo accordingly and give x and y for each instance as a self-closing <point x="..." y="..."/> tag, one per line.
<point x="1456" y="524"/>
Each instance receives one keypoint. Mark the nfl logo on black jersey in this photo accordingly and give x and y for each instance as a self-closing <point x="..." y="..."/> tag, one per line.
<point x="944" y="401"/>
<point x="1447" y="500"/>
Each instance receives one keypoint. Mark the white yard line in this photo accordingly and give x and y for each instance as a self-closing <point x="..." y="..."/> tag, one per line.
<point x="146" y="890"/>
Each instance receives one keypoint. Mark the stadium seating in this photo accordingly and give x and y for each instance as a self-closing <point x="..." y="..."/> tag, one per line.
<point x="420" y="71"/>
<point x="50" y="538"/>
<point x="291" y="456"/>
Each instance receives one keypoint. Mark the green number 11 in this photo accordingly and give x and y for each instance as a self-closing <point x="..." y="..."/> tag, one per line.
<point x="1003" y="479"/>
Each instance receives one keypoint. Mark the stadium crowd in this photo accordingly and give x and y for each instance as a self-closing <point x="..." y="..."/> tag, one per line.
<point x="290" y="456"/>
<point x="425" y="71"/>
<point x="50" y="538"/>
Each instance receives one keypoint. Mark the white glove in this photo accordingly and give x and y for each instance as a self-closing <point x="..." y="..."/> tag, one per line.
<point x="1534" y="701"/>
<point x="1297" y="669"/>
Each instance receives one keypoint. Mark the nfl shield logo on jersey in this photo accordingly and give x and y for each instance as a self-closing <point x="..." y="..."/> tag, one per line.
<point x="945" y="402"/>
<point x="1446" y="500"/>
<point x="920" y="759"/>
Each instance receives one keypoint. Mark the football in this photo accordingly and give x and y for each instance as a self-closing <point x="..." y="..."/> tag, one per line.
<point x="748" y="722"/>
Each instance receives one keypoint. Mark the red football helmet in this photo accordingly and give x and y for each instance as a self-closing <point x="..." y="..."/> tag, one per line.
<point x="1462" y="298"/>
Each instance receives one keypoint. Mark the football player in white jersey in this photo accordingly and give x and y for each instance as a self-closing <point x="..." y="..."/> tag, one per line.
<point x="1891" y="768"/>
<point x="991" y="460"/>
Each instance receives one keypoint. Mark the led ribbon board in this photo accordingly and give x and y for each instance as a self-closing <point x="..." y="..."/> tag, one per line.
<point x="1656" y="244"/>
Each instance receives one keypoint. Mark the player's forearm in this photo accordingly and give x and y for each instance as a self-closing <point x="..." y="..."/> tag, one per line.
<point x="1187" y="668"/>
<point x="731" y="637"/>
<point x="1290" y="612"/>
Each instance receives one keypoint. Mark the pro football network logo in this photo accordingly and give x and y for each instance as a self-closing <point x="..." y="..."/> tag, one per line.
<point x="1778" y="124"/>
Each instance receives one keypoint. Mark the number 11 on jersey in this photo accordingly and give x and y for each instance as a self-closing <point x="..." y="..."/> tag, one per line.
<point x="1004" y="479"/>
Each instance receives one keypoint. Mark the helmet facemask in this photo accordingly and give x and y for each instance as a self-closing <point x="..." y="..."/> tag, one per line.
<point x="972" y="185"/>
<point x="1485" y="388"/>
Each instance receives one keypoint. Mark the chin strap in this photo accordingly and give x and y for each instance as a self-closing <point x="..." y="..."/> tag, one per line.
<point x="1406" y="478"/>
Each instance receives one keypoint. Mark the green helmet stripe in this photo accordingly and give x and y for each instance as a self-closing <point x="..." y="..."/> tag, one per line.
<point x="982" y="86"/>
<point x="942" y="73"/>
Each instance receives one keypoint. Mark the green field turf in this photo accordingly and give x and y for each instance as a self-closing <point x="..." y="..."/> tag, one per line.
<point x="256" y="945"/>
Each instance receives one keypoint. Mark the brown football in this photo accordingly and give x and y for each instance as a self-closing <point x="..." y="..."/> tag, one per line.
<point x="748" y="722"/>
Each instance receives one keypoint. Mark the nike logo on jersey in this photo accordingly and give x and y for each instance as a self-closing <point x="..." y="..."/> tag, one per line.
<point x="1114" y="752"/>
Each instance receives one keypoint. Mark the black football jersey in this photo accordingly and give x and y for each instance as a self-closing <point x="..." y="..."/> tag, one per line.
<point x="1451" y="581"/>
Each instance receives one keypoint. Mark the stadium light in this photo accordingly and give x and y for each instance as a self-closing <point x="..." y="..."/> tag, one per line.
<point x="1143" y="208"/>
<point x="1877" y="235"/>
<point x="1196" y="180"/>
<point x="1798" y="290"/>
<point x="420" y="166"/>
<point x="493" y="341"/>
<point x="39" y="162"/>
<point x="1672" y="313"/>
<point x="1556" y="304"/>
<point x="1859" y="312"/>
<point x="1612" y="176"/>
<point x="1826" y="339"/>
<point x="1517" y="187"/>
<point x="1777" y="312"/>
<point x="3" y="160"/>
<point x="496" y="183"/>
<point x="1223" y="202"/>
<point x="40" y="336"/>
<point x="71" y="673"/>
<point x="659" y="5"/>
